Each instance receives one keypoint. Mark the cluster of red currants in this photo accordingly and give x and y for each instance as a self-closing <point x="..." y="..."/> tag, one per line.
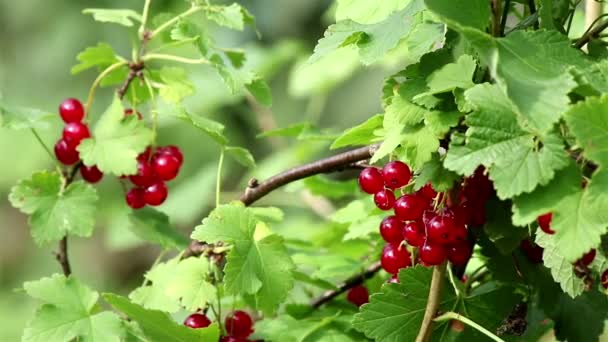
<point x="238" y="324"/>
<point x="421" y="219"/>
<point x="74" y="131"/>
<point x="544" y="223"/>
<point x="154" y="168"/>
<point x="358" y="295"/>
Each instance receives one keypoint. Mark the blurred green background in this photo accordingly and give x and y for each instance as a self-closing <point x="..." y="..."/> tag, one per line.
<point x="38" y="44"/>
<point x="39" y="41"/>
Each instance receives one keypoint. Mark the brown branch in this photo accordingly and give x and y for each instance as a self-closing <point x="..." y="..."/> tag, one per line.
<point x="346" y="285"/>
<point x="62" y="256"/>
<point x="135" y="70"/>
<point x="432" y="303"/>
<point x="591" y="34"/>
<point x="256" y="190"/>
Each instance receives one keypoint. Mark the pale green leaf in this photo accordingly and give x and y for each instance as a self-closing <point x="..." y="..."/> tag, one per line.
<point x="117" y="141"/>
<point x="153" y="226"/>
<point x="190" y="283"/>
<point x="212" y="128"/>
<point x="55" y="213"/>
<point x="361" y="134"/>
<point x="13" y="117"/>
<point x="229" y="222"/>
<point x="175" y="84"/>
<point x="123" y="17"/>
<point x="101" y="55"/>
<point x="471" y="13"/>
<point x="155" y="294"/>
<point x="241" y="155"/>
<point x="454" y="75"/>
<point x="233" y="16"/>
<point x="433" y="172"/>
<point x="261" y="91"/>
<point x="561" y="270"/>
<point x="367" y="12"/>
<point x="588" y="121"/>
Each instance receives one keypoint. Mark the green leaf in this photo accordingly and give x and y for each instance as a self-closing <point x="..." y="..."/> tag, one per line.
<point x="580" y="216"/>
<point x="517" y="161"/>
<point x="212" y="128"/>
<point x="441" y="122"/>
<point x="362" y="134"/>
<point x="285" y="328"/>
<point x="561" y="270"/>
<point x="373" y="40"/>
<point x="261" y="91"/>
<point x="417" y="146"/>
<point x="13" y="117"/>
<point x="259" y="267"/>
<point x="233" y="16"/>
<point x="155" y="295"/>
<point x="470" y="13"/>
<point x="158" y="326"/>
<point x="323" y="186"/>
<point x="117" y="141"/>
<point x="588" y="121"/>
<point x="123" y="17"/>
<point x="269" y="213"/>
<point x="395" y="313"/>
<point x="234" y="78"/>
<point x="433" y="172"/>
<point x="241" y="155"/>
<point x="451" y="76"/>
<point x="175" y="84"/>
<point x="102" y="55"/>
<point x="55" y="213"/>
<point x="366" y="12"/>
<point x="289" y="131"/>
<point x="153" y="226"/>
<point x="69" y="312"/>
<point x="587" y="324"/>
<point x="190" y="283"/>
<point x="505" y="236"/>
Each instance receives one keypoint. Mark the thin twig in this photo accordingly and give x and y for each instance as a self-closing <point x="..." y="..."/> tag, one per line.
<point x="135" y="70"/>
<point x="326" y="165"/>
<point x="532" y="7"/>
<point x="452" y="315"/>
<point x="432" y="303"/>
<point x="346" y="285"/>
<point x="591" y="34"/>
<point x="505" y="15"/>
<point x="62" y="256"/>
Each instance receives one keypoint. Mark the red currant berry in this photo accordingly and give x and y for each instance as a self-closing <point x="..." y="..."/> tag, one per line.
<point x="370" y="180"/>
<point x="166" y="166"/>
<point x="432" y="254"/>
<point x="71" y="110"/>
<point x="156" y="193"/>
<point x="395" y="257"/>
<point x="462" y="213"/>
<point x="75" y="132"/>
<point x="66" y="153"/>
<point x="428" y="192"/>
<point x="135" y="198"/>
<point x="393" y="280"/>
<point x="587" y="258"/>
<point x="129" y="111"/>
<point x="458" y="234"/>
<point x="91" y="174"/>
<point x="427" y="216"/>
<point x="173" y="151"/>
<point x="410" y="207"/>
<point x="604" y="279"/>
<point x="391" y="229"/>
<point x="145" y="155"/>
<point x="197" y="321"/>
<point x="239" y="324"/>
<point x="144" y="175"/>
<point x="439" y="229"/>
<point x="544" y="222"/>
<point x="413" y="234"/>
<point x="358" y="295"/>
<point x="396" y="174"/>
<point x="384" y="199"/>
<point x="459" y="254"/>
<point x="533" y="251"/>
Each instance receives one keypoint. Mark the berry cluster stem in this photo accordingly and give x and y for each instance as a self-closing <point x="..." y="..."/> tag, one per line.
<point x="452" y="315"/>
<point x="432" y="303"/>
<point x="218" y="184"/>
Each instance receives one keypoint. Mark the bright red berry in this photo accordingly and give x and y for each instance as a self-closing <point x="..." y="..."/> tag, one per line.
<point x="533" y="251"/>
<point x="432" y="254"/>
<point x="145" y="155"/>
<point x="166" y="166"/>
<point x="427" y="192"/>
<point x="439" y="229"/>
<point x="458" y="234"/>
<point x="427" y="216"/>
<point x="462" y="213"/>
<point x="393" y="280"/>
<point x="173" y="151"/>
<point x="413" y="234"/>
<point x="410" y="207"/>
<point x="156" y="193"/>
<point x="370" y="180"/>
<point x="197" y="321"/>
<point x="391" y="229"/>
<point x="587" y="258"/>
<point x="544" y="222"/>
<point x="396" y="174"/>
<point x="239" y="324"/>
<point x="459" y="254"/>
<point x="71" y="110"/>
<point x="233" y="339"/>
<point x="66" y="153"/>
<point x="144" y="175"/>
<point x="395" y="257"/>
<point x="358" y="295"/>
<point x="384" y="199"/>
<point x="604" y="279"/>
<point x="135" y="198"/>
<point x="91" y="174"/>
<point x="75" y="132"/>
<point x="129" y="111"/>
